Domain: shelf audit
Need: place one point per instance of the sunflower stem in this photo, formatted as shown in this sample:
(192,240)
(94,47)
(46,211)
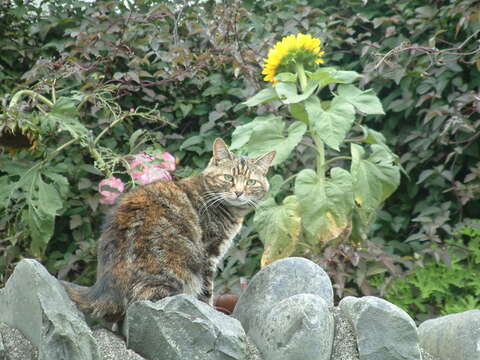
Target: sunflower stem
(321,154)
(16,98)
(301,76)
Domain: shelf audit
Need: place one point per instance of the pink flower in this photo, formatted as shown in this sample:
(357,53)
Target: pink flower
(106,185)
(145,169)
(151,174)
(168,161)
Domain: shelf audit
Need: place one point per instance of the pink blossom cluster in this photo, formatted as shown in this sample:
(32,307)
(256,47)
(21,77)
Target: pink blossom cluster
(144,169)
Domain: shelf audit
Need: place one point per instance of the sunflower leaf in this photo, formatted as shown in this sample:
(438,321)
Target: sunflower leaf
(288,93)
(242,134)
(329,75)
(376,177)
(333,124)
(286,77)
(364,100)
(329,215)
(279,228)
(268,136)
(262,96)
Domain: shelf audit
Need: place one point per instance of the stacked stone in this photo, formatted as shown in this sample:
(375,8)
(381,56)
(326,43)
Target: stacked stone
(286,313)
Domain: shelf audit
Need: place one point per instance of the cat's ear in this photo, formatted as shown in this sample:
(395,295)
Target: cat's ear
(265,161)
(220,150)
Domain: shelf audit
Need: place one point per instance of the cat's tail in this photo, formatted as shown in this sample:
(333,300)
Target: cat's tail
(95,302)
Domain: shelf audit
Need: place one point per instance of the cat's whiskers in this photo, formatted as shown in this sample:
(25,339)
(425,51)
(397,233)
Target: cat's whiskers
(212,199)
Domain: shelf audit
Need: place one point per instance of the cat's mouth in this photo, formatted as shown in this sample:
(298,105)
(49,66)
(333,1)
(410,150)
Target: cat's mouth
(238,201)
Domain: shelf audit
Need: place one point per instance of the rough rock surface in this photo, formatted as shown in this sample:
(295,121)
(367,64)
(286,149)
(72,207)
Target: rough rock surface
(344,342)
(454,336)
(278,281)
(383,330)
(35,303)
(299,327)
(182,327)
(252,351)
(14,346)
(112,347)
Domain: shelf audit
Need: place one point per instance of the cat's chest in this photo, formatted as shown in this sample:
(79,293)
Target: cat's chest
(219,239)
(227,243)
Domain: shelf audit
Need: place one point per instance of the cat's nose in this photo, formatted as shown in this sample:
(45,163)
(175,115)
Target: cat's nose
(238,193)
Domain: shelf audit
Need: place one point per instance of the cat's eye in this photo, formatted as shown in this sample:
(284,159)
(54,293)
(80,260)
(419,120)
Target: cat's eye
(251,182)
(228,177)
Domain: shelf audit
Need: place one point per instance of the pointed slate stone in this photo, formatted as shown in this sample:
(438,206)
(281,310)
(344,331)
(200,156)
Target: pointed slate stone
(35,303)
(454,336)
(181,327)
(383,330)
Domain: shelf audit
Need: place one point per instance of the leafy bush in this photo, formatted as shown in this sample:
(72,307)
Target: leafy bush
(447,286)
(193,64)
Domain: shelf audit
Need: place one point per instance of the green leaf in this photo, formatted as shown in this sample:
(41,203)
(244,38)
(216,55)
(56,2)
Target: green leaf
(241,135)
(279,228)
(265,95)
(268,136)
(288,94)
(41,228)
(298,112)
(372,136)
(49,200)
(333,124)
(329,75)
(364,100)
(326,204)
(65,114)
(324,76)
(286,77)
(346,77)
(43,203)
(375,177)
(193,140)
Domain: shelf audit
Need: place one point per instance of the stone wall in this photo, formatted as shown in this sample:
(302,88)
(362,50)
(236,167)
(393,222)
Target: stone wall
(286,313)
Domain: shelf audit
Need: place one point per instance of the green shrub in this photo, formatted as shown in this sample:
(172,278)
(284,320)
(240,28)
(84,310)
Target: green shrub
(448,284)
(194,64)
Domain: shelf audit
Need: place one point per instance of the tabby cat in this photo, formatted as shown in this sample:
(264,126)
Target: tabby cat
(167,237)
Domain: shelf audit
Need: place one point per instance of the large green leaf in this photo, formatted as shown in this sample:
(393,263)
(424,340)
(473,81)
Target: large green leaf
(43,203)
(326,204)
(329,75)
(333,124)
(267,136)
(298,112)
(242,134)
(279,228)
(364,100)
(288,94)
(64,112)
(262,96)
(375,177)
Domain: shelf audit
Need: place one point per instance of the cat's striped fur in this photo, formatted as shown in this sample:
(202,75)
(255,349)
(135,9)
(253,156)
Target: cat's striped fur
(167,237)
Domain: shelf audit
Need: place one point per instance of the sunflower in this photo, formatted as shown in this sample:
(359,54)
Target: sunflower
(17,135)
(291,51)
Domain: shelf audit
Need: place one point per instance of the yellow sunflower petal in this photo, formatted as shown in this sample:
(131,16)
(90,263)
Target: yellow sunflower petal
(283,48)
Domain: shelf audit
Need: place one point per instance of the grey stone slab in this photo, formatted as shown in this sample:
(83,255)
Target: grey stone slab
(35,303)
(299,327)
(181,327)
(454,336)
(279,281)
(383,330)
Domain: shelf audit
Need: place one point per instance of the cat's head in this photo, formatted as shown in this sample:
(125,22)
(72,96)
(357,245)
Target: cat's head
(235,179)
